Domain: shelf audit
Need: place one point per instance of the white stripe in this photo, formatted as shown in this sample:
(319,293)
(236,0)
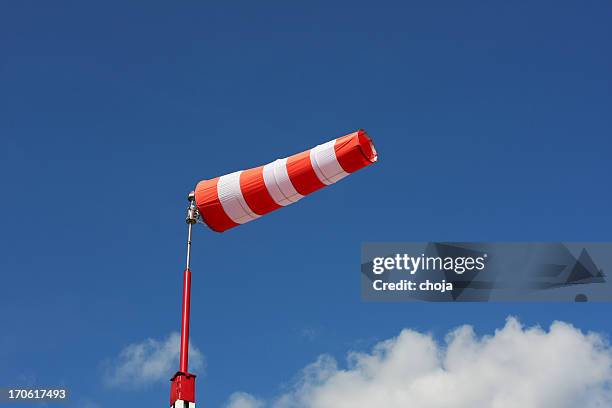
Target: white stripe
(270,181)
(232,200)
(278,183)
(315,166)
(325,163)
(183,404)
(284,182)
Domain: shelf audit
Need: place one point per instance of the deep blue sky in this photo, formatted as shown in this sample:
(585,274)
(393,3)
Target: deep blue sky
(493,121)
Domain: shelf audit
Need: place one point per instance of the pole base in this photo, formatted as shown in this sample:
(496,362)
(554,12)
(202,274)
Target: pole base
(183,404)
(182,390)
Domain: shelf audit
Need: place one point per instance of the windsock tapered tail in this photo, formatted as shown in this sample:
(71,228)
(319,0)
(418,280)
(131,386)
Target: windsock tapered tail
(237,198)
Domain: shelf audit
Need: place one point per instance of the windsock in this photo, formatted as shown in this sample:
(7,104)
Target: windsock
(237,198)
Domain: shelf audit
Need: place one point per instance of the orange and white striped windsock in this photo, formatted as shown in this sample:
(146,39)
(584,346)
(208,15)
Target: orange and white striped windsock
(237,198)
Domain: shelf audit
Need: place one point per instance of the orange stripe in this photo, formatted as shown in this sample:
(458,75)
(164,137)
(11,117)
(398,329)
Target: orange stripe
(301,173)
(209,206)
(255,192)
(354,151)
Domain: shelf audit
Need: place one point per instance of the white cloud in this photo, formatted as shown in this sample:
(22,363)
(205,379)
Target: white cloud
(87,403)
(147,362)
(243,400)
(516,367)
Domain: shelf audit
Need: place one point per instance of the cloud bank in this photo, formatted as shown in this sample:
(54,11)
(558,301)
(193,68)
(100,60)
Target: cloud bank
(244,400)
(516,367)
(148,362)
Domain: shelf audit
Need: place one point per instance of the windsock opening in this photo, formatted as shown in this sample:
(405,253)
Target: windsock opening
(355,151)
(237,198)
(367,146)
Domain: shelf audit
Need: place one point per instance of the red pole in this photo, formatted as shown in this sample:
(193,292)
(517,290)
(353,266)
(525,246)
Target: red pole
(182,390)
(185,321)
